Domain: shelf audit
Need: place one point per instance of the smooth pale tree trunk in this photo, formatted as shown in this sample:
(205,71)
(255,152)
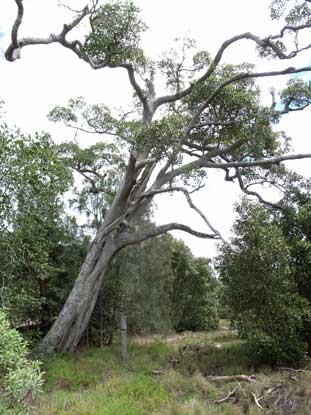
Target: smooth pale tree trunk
(72,321)
(68,328)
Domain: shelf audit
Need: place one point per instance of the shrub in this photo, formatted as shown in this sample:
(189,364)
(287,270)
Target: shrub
(260,289)
(19,376)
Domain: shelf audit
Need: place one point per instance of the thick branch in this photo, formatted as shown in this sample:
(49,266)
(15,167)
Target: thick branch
(142,163)
(17,23)
(239,77)
(145,234)
(75,46)
(204,162)
(264,43)
(16,43)
(136,86)
(154,192)
(239,378)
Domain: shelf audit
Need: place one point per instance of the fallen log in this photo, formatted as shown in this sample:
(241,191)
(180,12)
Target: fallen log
(232,378)
(290,369)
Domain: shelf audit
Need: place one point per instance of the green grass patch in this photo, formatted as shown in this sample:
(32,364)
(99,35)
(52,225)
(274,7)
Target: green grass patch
(166,378)
(213,359)
(127,394)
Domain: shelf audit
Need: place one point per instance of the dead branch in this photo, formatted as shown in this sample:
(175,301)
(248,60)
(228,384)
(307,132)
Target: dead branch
(159,372)
(294,370)
(227,397)
(256,400)
(238,378)
(270,390)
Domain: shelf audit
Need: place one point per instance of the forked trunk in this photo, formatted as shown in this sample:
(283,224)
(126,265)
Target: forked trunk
(72,321)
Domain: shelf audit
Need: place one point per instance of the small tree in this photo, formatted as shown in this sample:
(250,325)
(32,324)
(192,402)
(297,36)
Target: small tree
(261,290)
(193,291)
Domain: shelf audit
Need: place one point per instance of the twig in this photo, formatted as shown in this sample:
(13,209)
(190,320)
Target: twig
(227,397)
(256,400)
(270,390)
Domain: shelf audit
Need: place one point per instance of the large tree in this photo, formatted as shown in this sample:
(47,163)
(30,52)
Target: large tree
(210,118)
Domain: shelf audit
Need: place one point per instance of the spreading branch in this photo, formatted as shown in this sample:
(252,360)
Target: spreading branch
(131,239)
(152,193)
(263,43)
(204,161)
(18,44)
(240,77)
(13,51)
(253,193)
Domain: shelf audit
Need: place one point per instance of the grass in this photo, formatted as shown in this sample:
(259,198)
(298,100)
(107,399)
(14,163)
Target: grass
(167,376)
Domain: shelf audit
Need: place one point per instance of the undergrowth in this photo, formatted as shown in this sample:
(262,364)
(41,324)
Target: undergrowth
(168,376)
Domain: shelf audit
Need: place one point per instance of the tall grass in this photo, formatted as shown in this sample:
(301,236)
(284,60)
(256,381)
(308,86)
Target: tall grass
(164,377)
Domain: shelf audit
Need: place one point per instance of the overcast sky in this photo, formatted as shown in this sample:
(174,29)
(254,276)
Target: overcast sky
(49,75)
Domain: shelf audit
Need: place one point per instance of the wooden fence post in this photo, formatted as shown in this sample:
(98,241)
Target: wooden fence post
(124,338)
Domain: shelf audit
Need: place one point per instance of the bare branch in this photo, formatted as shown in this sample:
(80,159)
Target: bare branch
(17,23)
(135,85)
(256,400)
(239,77)
(231,378)
(264,43)
(154,192)
(145,234)
(253,193)
(204,161)
(75,46)
(289,28)
(16,43)
(228,396)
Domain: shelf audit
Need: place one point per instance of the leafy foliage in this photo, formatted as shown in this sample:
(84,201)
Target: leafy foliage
(261,290)
(41,249)
(193,291)
(19,376)
(115,34)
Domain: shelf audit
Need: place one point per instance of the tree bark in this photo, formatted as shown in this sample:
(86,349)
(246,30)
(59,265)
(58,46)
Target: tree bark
(72,321)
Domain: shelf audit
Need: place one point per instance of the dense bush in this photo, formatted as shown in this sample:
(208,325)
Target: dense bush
(193,292)
(261,290)
(19,376)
